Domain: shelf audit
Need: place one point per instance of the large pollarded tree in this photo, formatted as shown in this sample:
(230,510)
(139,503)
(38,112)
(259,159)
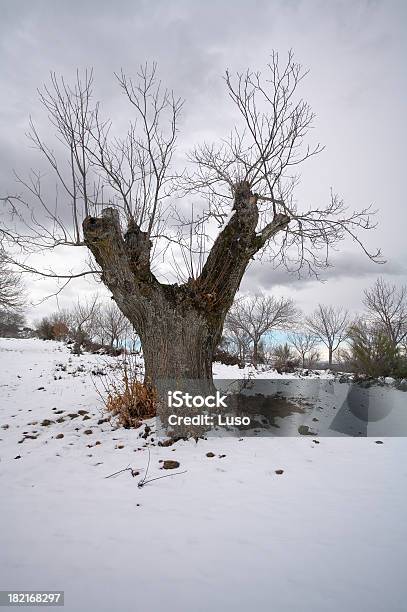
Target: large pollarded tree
(124,199)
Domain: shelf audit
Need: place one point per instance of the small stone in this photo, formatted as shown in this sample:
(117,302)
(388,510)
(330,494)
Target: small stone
(304,430)
(279,472)
(87,432)
(46,422)
(119,446)
(379,442)
(86,418)
(59,436)
(316,441)
(168,464)
(222,456)
(210,455)
(83,412)
(18,457)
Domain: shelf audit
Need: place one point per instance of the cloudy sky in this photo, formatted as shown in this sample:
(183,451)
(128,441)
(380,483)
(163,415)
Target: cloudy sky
(357,87)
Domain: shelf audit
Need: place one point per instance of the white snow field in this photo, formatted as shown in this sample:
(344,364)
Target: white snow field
(328,534)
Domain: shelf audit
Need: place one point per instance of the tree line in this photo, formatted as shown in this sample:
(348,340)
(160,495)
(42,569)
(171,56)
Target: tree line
(373,343)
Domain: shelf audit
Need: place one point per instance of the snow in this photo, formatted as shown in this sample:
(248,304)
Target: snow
(329,534)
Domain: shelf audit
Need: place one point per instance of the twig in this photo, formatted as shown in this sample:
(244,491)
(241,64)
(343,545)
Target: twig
(127,469)
(144,481)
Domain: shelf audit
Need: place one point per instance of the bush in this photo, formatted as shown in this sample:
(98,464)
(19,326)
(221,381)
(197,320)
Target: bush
(285,359)
(45,329)
(226,358)
(372,353)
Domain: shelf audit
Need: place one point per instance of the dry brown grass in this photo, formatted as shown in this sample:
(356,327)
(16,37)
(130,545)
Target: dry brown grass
(126,397)
(131,404)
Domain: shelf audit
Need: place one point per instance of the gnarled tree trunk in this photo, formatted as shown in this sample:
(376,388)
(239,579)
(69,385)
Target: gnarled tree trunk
(179,325)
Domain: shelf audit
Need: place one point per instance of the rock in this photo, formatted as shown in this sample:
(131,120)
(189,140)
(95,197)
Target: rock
(97,442)
(315,419)
(402,385)
(119,446)
(73,415)
(316,441)
(86,418)
(59,436)
(146,433)
(169,464)
(279,472)
(5,426)
(210,454)
(222,456)
(46,422)
(304,430)
(101,421)
(83,412)
(41,389)
(379,441)
(18,457)
(87,432)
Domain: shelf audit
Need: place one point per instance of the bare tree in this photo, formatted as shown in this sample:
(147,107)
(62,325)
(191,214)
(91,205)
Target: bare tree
(11,322)
(119,193)
(330,325)
(387,305)
(84,320)
(237,338)
(257,315)
(305,344)
(11,286)
(113,325)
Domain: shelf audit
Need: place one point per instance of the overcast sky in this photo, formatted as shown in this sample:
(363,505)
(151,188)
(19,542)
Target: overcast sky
(356,86)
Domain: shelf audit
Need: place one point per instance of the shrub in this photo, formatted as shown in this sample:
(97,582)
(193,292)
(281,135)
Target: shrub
(285,359)
(126,397)
(372,353)
(226,358)
(45,329)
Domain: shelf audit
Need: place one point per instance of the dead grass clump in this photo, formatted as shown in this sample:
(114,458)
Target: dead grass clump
(132,402)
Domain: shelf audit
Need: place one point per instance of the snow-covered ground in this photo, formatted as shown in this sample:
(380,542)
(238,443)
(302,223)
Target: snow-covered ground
(328,534)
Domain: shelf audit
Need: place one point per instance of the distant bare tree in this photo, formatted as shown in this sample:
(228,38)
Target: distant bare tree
(238,339)
(387,305)
(11,286)
(305,344)
(11,322)
(330,325)
(257,315)
(84,320)
(113,325)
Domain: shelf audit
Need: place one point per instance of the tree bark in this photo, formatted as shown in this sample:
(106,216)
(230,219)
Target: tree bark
(255,353)
(179,325)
